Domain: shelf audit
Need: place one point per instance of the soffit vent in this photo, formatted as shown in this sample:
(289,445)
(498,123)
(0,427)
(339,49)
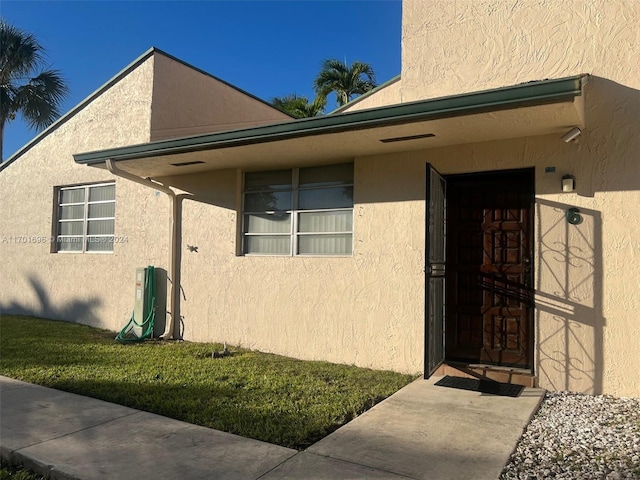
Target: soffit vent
(402,139)
(184,164)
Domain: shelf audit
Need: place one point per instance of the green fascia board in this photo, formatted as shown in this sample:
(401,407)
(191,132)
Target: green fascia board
(522,95)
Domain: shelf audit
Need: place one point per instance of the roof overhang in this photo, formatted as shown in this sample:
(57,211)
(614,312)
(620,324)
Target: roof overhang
(534,108)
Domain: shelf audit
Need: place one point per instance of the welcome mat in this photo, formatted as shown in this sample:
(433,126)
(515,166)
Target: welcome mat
(483,386)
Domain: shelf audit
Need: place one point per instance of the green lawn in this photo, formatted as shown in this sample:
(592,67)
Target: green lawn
(13,472)
(272,398)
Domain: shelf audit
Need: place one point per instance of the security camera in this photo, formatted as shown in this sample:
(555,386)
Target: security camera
(571,135)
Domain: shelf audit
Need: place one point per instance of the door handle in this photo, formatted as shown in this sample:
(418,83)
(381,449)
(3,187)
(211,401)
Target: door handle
(437,269)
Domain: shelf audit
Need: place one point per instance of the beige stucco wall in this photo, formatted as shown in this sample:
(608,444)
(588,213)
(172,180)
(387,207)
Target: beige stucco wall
(189,102)
(587,276)
(451,47)
(150,100)
(389,94)
(368,309)
(95,289)
(365,310)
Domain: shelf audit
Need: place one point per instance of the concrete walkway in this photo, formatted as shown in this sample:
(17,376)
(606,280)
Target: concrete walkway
(421,432)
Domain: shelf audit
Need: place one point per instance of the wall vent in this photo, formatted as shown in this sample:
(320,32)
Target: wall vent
(402,139)
(184,164)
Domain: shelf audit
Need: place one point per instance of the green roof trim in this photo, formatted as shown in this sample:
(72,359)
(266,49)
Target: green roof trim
(522,95)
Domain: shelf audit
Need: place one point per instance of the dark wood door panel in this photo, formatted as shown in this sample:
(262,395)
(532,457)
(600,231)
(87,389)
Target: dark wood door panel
(489,244)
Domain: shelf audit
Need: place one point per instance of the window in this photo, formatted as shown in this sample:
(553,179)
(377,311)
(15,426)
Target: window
(86,218)
(303,211)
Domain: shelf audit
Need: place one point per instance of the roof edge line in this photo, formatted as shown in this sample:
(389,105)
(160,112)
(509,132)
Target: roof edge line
(81,105)
(564,90)
(224,82)
(366,95)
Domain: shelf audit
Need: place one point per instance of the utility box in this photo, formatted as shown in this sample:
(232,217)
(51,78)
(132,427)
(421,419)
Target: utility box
(149,306)
(140,307)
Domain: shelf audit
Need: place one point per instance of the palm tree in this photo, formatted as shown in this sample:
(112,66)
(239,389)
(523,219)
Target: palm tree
(300,107)
(37,98)
(346,81)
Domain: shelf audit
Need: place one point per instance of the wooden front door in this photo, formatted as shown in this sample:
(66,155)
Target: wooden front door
(489,314)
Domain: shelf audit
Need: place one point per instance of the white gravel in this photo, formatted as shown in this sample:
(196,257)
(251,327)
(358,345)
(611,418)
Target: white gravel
(578,436)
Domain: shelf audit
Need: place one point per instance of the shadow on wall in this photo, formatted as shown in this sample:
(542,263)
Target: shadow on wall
(213,188)
(77,310)
(611,141)
(569,317)
(82,310)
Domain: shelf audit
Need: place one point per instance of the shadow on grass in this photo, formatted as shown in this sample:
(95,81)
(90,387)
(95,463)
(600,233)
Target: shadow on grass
(262,396)
(218,407)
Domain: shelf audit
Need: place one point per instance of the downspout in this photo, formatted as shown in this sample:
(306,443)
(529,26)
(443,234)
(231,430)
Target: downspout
(173,262)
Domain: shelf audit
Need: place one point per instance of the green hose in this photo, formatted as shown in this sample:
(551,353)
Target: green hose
(127,334)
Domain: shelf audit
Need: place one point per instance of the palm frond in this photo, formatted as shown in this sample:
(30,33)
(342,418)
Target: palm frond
(41,98)
(344,80)
(299,106)
(20,53)
(38,98)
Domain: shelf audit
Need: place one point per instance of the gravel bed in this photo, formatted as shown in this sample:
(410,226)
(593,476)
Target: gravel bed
(578,436)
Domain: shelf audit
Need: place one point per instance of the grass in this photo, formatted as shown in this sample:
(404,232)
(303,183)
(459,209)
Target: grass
(15,472)
(276,399)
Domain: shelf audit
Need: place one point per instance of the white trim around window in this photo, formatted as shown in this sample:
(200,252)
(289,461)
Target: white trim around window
(85,218)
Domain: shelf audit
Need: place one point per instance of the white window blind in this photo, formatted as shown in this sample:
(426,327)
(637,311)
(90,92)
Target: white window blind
(86,218)
(301,211)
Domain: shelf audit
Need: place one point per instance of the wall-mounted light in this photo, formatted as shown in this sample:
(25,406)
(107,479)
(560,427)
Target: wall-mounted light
(568,183)
(571,135)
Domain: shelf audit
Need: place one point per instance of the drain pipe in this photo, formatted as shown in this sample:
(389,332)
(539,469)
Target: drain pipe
(173,262)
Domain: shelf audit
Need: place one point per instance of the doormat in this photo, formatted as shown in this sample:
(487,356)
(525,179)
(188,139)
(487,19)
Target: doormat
(483,386)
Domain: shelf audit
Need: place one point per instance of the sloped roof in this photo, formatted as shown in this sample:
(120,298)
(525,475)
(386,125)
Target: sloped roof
(112,81)
(532,108)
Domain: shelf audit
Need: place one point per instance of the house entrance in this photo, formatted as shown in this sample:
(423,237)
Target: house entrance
(487,300)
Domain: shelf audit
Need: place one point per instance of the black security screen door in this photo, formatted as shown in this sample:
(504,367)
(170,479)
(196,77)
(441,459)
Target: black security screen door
(435,271)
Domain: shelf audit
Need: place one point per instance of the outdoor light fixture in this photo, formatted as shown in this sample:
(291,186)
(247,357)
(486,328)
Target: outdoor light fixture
(568,183)
(571,135)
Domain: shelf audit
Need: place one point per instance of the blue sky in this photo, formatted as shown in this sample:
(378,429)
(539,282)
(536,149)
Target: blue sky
(266,47)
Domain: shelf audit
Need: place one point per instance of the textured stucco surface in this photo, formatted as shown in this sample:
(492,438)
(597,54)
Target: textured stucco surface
(187,102)
(586,275)
(95,289)
(457,46)
(368,309)
(387,95)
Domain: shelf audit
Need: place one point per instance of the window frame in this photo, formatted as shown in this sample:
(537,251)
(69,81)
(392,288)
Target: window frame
(86,203)
(294,212)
